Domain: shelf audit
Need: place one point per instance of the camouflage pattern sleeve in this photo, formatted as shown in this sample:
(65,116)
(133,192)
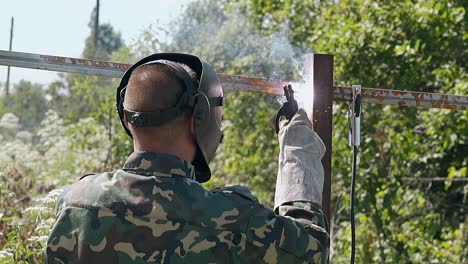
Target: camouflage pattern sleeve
(297,235)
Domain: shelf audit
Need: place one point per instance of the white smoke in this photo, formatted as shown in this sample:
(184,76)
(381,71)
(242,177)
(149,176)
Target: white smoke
(229,40)
(282,50)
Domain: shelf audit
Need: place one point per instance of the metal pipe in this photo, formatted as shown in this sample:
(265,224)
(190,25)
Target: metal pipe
(236,83)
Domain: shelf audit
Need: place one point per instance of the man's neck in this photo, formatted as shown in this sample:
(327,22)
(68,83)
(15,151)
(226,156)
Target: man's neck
(183,152)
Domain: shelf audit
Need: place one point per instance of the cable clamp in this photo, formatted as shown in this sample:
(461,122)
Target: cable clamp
(354,117)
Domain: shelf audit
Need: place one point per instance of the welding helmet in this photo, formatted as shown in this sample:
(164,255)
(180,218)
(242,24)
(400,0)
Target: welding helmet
(203,99)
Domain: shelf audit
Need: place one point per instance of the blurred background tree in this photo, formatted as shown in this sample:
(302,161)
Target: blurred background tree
(407,45)
(26,100)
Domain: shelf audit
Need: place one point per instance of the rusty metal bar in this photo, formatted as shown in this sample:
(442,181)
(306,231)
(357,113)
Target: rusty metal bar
(255,85)
(62,64)
(237,83)
(404,98)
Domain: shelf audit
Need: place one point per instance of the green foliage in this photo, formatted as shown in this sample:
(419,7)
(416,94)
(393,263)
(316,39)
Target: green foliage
(107,41)
(42,150)
(77,96)
(25,224)
(29,100)
(59,156)
(401,40)
(409,45)
(253,162)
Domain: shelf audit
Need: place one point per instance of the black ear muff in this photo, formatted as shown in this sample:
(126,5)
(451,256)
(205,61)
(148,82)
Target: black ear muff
(201,113)
(203,108)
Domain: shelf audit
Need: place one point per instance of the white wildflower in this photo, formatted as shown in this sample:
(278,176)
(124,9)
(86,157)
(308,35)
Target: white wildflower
(35,210)
(24,135)
(55,193)
(5,255)
(39,239)
(10,121)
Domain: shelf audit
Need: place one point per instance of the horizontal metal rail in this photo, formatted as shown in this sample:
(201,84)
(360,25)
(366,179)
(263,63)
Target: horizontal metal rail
(236,83)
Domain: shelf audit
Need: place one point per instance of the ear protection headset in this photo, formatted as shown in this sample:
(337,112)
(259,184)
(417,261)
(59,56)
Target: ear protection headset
(197,99)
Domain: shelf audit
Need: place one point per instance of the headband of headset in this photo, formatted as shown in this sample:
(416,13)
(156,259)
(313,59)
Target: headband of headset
(155,118)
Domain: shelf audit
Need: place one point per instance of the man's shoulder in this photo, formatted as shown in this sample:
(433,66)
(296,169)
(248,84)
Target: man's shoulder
(233,191)
(91,190)
(238,200)
(102,180)
(89,182)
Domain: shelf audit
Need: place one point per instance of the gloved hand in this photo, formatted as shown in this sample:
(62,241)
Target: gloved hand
(300,172)
(288,109)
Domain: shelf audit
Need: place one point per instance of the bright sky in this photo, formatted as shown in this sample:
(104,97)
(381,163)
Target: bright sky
(60,27)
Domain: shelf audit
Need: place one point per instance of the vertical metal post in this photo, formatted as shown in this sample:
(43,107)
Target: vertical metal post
(7,87)
(96,29)
(319,68)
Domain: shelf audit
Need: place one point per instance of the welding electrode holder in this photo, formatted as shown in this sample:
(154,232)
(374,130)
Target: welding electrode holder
(288,109)
(354,117)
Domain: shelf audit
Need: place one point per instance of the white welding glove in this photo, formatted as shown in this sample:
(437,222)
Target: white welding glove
(300,172)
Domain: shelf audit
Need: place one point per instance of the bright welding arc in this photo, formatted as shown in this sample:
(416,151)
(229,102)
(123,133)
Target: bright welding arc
(305,94)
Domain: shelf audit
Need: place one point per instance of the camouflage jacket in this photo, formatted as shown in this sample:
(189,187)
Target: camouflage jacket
(153,211)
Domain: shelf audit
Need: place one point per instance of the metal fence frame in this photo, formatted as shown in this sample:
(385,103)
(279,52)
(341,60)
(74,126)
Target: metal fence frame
(318,66)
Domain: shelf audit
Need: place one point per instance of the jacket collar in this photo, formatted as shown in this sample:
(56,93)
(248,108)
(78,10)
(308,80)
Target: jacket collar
(158,164)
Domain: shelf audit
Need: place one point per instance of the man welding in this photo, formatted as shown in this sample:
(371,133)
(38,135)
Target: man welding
(155,210)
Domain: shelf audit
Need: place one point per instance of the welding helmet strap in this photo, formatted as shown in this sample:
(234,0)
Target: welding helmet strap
(159,117)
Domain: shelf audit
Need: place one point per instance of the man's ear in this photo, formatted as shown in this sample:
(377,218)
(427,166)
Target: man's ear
(125,122)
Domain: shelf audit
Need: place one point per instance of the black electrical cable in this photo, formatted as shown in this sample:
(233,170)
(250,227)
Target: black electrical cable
(353,224)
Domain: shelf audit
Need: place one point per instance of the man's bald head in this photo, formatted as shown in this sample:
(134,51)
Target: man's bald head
(154,87)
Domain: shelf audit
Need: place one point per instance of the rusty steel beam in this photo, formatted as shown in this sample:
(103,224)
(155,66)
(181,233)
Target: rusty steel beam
(236,83)
(62,64)
(404,98)
(255,85)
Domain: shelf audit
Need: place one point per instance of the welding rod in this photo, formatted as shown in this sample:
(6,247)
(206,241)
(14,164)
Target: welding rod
(236,83)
